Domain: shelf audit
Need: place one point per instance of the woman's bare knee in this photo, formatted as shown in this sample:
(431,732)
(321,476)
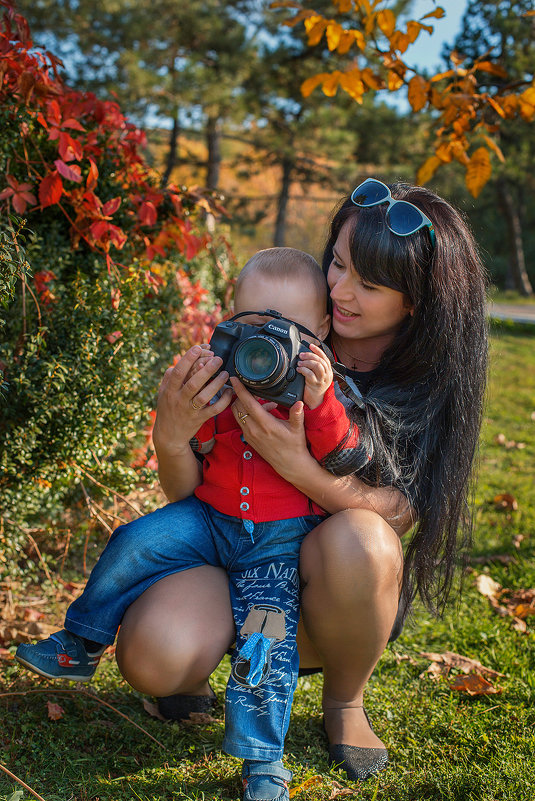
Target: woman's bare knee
(175,634)
(355,545)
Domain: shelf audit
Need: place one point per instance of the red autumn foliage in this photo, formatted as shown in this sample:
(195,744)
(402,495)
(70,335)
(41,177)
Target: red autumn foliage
(68,134)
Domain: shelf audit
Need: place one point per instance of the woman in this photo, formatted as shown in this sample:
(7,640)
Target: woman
(408,322)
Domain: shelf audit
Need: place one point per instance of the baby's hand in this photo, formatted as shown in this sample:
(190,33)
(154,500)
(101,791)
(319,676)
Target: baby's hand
(317,371)
(203,359)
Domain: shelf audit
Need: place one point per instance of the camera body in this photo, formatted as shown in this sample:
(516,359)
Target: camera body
(264,358)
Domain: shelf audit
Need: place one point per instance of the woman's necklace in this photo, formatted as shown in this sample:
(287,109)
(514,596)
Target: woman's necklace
(355,360)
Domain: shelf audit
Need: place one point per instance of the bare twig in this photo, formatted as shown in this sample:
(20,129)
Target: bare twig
(91,506)
(16,778)
(89,695)
(40,557)
(112,492)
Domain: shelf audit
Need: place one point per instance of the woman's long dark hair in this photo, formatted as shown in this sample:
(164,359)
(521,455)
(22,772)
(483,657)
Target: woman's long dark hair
(424,403)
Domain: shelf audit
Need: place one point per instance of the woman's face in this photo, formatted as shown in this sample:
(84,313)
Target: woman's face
(360,310)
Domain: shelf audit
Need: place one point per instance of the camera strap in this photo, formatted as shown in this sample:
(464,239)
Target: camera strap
(346,383)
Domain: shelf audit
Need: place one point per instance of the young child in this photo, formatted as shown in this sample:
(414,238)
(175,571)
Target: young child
(244,518)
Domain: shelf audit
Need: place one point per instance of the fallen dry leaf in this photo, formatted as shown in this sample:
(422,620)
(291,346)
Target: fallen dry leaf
(487,586)
(517,604)
(152,709)
(55,711)
(338,790)
(474,684)
(506,502)
(314,781)
(449,659)
(501,439)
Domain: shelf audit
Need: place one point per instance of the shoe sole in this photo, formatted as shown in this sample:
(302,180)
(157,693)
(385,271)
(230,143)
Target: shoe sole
(51,675)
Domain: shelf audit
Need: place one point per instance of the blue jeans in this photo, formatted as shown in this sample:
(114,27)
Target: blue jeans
(261,561)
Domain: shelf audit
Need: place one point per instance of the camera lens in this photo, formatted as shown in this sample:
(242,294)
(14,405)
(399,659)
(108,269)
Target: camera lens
(260,360)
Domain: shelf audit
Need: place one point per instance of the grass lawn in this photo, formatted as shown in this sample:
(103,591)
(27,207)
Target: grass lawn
(443,743)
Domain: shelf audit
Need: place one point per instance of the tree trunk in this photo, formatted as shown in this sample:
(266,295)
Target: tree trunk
(282,203)
(173,150)
(213,144)
(517,277)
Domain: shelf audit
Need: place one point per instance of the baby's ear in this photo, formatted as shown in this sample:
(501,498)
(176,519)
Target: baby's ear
(324,328)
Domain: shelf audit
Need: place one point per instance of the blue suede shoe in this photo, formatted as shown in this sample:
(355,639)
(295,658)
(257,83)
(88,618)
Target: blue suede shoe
(60,656)
(265,781)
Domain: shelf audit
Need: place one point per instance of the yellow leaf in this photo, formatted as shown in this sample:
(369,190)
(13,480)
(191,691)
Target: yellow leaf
(418,92)
(315,27)
(369,23)
(330,84)
(493,146)
(489,66)
(304,14)
(438,13)
(443,152)
(343,6)
(360,39)
(459,147)
(526,102)
(333,33)
(371,79)
(386,20)
(351,83)
(440,75)
(496,106)
(478,171)
(509,105)
(308,86)
(314,781)
(427,170)
(399,41)
(346,41)
(394,81)
(414,28)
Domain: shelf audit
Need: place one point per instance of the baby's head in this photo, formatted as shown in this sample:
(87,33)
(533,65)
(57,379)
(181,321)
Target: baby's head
(288,281)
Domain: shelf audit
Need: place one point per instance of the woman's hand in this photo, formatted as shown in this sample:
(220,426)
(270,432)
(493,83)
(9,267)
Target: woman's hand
(184,399)
(282,443)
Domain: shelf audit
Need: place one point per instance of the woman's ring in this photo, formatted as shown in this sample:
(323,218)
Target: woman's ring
(242,416)
(194,405)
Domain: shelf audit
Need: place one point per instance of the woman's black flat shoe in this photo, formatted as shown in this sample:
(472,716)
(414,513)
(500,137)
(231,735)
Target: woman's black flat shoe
(359,763)
(179,707)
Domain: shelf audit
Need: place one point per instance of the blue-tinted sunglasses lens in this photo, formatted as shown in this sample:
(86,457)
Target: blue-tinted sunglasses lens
(369,193)
(404,218)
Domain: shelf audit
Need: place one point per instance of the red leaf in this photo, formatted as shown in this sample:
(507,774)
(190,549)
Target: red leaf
(54,113)
(69,149)
(147,213)
(92,175)
(55,711)
(70,173)
(99,229)
(109,208)
(72,123)
(113,337)
(50,189)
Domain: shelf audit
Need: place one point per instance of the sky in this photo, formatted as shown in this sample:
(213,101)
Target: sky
(425,52)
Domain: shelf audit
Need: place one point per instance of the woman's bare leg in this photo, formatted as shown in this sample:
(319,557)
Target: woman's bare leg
(351,568)
(176,633)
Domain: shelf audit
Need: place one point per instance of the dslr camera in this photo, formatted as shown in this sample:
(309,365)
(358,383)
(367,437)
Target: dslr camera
(265,357)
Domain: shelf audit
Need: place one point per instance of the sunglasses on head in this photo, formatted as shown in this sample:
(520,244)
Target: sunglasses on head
(402,218)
